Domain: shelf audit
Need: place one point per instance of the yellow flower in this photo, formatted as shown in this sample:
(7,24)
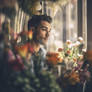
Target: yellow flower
(30,34)
(80,39)
(60,58)
(68,42)
(22,50)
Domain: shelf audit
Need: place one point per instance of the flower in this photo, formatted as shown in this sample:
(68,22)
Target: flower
(80,39)
(68,52)
(73,59)
(22,50)
(53,58)
(30,34)
(60,49)
(84,50)
(68,42)
(77,43)
(80,56)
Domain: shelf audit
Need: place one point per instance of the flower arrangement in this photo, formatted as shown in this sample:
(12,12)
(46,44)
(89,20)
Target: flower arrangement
(71,59)
(72,53)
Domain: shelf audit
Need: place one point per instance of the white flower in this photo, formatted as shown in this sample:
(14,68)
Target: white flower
(75,65)
(70,46)
(80,56)
(84,50)
(68,42)
(80,39)
(77,43)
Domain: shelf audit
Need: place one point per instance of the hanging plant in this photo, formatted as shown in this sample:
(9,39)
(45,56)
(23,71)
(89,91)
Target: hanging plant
(29,6)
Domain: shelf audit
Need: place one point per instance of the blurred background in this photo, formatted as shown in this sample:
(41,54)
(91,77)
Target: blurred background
(71,19)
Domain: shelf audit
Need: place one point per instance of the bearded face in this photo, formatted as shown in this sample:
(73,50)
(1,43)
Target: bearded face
(43,32)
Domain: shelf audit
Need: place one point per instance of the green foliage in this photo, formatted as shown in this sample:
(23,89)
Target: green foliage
(27,81)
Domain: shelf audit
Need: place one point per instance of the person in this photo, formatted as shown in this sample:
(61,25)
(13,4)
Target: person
(40,27)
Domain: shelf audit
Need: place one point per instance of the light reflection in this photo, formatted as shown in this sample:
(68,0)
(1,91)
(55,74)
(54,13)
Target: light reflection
(64,25)
(71,26)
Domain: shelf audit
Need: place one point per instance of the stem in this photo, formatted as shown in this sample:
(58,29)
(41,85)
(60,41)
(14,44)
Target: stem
(84,86)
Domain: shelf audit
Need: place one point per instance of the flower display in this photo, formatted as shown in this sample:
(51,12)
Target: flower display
(16,66)
(72,53)
(73,59)
(53,58)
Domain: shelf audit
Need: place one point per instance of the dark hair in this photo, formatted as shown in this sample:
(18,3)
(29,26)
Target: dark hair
(36,19)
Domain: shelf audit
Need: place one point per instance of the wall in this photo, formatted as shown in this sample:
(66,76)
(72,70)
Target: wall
(89,24)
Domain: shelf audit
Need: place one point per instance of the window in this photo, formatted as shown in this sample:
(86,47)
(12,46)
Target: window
(69,22)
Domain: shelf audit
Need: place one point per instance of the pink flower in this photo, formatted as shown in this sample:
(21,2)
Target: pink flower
(15,62)
(11,56)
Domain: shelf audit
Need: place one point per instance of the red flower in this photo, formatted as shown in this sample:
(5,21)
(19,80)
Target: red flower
(60,49)
(75,60)
(68,52)
(31,49)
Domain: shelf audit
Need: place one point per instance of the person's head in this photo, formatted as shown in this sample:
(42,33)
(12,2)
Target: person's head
(41,26)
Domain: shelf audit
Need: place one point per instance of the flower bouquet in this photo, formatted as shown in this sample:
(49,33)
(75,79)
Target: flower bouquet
(69,61)
(73,59)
